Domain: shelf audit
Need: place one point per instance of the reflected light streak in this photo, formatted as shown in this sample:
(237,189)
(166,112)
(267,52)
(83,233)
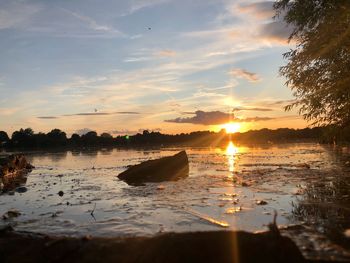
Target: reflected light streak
(231,151)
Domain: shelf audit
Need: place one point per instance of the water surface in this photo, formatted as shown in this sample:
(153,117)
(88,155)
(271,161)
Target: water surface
(236,187)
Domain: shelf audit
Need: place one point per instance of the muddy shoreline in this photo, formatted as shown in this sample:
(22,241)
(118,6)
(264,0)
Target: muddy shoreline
(213,246)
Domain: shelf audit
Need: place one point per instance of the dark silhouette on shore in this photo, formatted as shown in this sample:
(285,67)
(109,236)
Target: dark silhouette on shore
(26,138)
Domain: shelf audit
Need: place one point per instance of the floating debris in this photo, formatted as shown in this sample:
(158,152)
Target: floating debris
(233,210)
(207,218)
(11,214)
(261,202)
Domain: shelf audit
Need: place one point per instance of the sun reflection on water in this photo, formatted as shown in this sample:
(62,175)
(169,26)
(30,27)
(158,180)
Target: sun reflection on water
(231,151)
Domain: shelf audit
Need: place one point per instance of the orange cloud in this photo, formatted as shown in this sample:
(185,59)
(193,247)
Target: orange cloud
(167,53)
(242,73)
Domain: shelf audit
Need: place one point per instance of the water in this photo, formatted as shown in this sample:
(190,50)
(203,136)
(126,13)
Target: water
(306,184)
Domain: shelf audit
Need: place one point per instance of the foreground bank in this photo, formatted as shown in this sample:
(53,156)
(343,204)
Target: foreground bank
(215,246)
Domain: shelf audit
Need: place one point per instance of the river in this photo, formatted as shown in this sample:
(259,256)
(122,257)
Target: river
(235,187)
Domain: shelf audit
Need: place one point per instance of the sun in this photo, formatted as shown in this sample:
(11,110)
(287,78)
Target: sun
(232,127)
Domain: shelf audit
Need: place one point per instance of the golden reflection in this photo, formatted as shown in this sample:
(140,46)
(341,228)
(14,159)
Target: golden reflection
(231,151)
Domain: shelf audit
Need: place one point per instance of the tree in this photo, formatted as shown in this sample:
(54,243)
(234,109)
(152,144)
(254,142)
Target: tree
(106,135)
(57,137)
(23,136)
(3,137)
(89,138)
(318,68)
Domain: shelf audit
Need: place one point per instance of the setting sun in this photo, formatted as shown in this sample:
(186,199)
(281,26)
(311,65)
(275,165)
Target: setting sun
(232,127)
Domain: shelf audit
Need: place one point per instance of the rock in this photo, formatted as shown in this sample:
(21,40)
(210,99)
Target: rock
(13,171)
(60,193)
(21,189)
(261,202)
(13,164)
(169,168)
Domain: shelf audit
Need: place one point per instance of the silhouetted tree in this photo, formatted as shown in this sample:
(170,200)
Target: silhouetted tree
(106,139)
(75,136)
(23,137)
(318,69)
(106,135)
(57,137)
(4,137)
(89,138)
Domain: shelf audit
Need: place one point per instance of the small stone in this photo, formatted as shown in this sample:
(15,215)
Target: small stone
(261,202)
(60,193)
(160,187)
(21,189)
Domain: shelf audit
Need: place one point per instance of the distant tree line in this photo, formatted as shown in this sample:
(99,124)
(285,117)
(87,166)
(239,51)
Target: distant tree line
(26,138)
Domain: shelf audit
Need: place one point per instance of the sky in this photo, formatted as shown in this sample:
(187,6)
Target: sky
(123,66)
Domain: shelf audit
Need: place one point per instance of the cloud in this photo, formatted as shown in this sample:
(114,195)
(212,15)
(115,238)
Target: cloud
(255,119)
(166,53)
(260,9)
(141,4)
(137,59)
(100,113)
(93,25)
(251,109)
(129,132)
(205,118)
(275,103)
(9,111)
(277,31)
(91,114)
(242,73)
(15,13)
(122,132)
(47,117)
(214,118)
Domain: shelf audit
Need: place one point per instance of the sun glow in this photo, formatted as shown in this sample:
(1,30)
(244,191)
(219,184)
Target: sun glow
(232,127)
(231,152)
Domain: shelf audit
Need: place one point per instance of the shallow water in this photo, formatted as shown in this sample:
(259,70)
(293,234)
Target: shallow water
(307,184)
